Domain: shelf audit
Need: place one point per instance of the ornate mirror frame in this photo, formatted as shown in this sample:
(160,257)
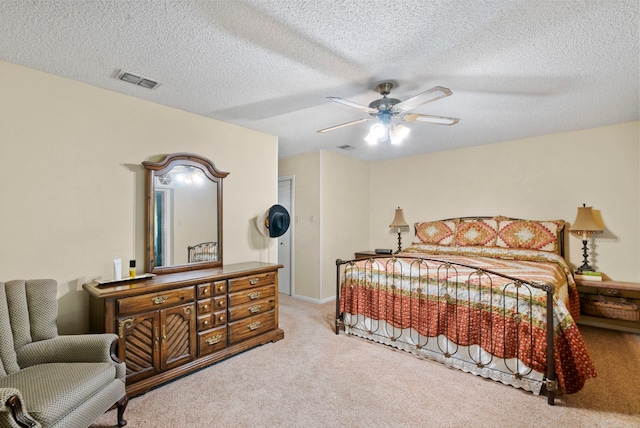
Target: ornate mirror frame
(160,169)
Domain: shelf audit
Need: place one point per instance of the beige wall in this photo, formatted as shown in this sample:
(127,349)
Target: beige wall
(331,202)
(542,178)
(538,178)
(305,170)
(344,219)
(72,192)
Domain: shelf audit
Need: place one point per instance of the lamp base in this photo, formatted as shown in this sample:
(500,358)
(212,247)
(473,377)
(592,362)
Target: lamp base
(585,262)
(399,244)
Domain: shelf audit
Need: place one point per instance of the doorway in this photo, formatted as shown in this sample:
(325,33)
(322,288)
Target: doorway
(285,247)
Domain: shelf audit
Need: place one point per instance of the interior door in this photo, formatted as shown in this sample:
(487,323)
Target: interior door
(285,198)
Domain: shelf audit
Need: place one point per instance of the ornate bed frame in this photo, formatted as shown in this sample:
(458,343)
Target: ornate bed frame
(396,301)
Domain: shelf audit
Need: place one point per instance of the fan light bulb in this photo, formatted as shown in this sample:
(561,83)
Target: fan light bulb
(398,133)
(377,130)
(371,139)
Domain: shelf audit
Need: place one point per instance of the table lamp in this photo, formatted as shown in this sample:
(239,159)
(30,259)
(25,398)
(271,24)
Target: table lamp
(584,226)
(399,223)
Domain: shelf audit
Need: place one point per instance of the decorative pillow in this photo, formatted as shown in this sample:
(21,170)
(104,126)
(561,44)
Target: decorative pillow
(530,234)
(476,232)
(436,232)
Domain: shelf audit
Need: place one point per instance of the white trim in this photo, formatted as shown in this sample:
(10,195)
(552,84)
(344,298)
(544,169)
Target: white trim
(312,300)
(292,216)
(320,223)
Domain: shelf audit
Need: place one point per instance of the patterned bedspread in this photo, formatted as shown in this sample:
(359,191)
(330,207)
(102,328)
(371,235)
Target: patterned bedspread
(473,307)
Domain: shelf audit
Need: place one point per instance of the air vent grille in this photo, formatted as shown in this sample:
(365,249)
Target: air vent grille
(137,80)
(346,147)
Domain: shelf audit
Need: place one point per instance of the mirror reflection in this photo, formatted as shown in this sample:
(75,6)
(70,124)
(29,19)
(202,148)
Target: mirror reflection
(186,217)
(184,203)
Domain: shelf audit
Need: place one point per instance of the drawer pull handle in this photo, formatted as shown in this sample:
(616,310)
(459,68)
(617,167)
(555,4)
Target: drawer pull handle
(254,295)
(205,322)
(159,300)
(253,309)
(221,303)
(221,288)
(205,290)
(254,325)
(205,306)
(254,281)
(213,340)
(221,318)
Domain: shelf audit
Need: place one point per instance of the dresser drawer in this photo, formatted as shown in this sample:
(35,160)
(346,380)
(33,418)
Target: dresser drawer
(204,307)
(251,281)
(254,308)
(205,290)
(212,341)
(219,303)
(159,300)
(219,287)
(251,327)
(208,321)
(251,295)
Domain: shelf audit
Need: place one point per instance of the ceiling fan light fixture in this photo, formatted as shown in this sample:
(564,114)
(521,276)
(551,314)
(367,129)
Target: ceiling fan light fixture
(377,132)
(371,139)
(397,133)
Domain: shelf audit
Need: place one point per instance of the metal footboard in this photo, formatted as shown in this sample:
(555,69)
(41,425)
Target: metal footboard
(416,302)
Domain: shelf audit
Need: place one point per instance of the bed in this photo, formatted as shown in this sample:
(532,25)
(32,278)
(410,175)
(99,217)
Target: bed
(473,293)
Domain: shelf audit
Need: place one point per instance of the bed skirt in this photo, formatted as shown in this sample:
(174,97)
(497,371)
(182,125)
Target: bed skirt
(507,371)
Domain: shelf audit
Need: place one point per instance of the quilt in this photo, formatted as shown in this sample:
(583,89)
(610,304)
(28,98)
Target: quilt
(473,296)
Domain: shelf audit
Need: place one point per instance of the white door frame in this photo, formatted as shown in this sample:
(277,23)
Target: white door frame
(291,261)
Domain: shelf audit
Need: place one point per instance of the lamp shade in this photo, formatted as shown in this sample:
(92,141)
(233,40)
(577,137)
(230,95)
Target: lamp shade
(585,222)
(398,221)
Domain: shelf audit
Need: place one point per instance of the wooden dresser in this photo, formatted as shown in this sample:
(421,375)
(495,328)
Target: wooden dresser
(172,324)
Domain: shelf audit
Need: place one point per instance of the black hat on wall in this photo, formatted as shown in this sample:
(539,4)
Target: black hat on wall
(274,222)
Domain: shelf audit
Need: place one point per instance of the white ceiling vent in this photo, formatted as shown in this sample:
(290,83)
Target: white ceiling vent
(346,147)
(136,80)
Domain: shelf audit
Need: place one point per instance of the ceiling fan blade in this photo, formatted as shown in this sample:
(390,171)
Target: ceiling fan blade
(355,122)
(425,118)
(427,96)
(353,105)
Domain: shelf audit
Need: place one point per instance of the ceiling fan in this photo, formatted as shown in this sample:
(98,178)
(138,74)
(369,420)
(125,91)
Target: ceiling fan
(385,109)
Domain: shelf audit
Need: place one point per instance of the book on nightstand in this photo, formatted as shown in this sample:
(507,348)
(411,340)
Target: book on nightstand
(587,275)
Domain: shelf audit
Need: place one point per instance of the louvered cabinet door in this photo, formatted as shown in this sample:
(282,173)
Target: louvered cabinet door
(139,345)
(178,335)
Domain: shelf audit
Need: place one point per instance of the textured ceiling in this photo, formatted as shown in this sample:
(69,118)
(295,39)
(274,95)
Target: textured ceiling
(517,69)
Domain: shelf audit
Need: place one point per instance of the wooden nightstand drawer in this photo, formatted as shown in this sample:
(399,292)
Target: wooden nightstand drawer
(251,327)
(249,309)
(151,301)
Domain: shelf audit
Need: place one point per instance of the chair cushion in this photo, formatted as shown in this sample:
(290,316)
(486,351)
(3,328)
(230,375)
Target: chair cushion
(51,391)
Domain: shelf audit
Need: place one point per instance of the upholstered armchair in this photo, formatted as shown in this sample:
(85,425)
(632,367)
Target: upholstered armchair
(47,380)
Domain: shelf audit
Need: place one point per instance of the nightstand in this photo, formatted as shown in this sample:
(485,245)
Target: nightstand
(365,254)
(617,289)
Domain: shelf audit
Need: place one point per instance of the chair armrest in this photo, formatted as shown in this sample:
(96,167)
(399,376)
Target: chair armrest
(86,348)
(12,411)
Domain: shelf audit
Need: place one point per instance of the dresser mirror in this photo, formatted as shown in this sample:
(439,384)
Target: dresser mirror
(184,213)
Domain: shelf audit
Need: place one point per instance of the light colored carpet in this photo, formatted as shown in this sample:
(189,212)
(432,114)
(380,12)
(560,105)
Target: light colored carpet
(314,378)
